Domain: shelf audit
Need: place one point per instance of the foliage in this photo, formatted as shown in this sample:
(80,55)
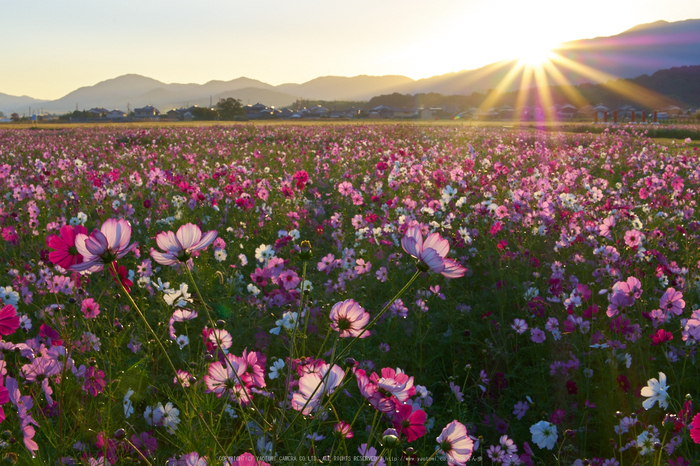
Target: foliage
(229,109)
(572,335)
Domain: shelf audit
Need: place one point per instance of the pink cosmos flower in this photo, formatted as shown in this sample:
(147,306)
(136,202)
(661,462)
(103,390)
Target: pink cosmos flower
(633,238)
(672,301)
(349,318)
(254,375)
(395,383)
(410,423)
(5,397)
(9,320)
(456,444)
(344,429)
(179,246)
(606,228)
(695,429)
(382,401)
(312,387)
(224,376)
(362,266)
(103,246)
(289,279)
(90,308)
(65,253)
(431,253)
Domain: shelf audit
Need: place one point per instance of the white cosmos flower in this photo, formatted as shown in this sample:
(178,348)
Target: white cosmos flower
(544,434)
(128,405)
(656,390)
(277,366)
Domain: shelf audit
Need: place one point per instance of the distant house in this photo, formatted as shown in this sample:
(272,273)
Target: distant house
(286,113)
(351,112)
(384,111)
(116,113)
(318,111)
(98,112)
(566,112)
(147,112)
(173,115)
(256,111)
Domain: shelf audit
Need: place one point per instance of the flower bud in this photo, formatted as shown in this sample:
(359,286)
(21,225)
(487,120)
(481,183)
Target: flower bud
(350,362)
(305,253)
(120,434)
(390,439)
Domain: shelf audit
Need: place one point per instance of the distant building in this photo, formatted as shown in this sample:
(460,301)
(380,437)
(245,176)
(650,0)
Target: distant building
(98,112)
(114,114)
(147,112)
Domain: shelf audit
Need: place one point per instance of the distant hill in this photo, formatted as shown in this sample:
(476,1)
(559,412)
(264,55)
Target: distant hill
(678,86)
(639,51)
(11,103)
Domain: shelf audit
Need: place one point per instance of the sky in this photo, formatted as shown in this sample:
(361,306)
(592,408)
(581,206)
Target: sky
(52,47)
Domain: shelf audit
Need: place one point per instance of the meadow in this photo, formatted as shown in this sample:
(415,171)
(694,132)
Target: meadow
(376,294)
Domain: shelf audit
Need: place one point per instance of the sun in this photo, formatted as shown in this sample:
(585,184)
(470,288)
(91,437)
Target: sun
(535,56)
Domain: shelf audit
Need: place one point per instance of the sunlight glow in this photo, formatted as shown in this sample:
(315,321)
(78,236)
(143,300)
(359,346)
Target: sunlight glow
(535,56)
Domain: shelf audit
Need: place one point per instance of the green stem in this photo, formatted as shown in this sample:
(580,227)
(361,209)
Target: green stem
(162,348)
(249,399)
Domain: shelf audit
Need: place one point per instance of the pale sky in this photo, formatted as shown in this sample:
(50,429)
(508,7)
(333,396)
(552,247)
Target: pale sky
(51,47)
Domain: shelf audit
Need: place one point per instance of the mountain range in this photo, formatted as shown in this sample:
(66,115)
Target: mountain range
(641,50)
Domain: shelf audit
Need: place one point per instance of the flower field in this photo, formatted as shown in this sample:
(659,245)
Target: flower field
(346,294)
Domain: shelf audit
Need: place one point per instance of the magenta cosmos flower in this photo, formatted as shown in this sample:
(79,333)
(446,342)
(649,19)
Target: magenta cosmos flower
(9,320)
(456,444)
(409,423)
(431,253)
(349,318)
(179,246)
(103,246)
(64,252)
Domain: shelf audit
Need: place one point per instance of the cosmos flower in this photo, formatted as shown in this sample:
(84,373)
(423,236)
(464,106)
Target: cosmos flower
(456,444)
(9,320)
(179,246)
(64,253)
(103,246)
(695,429)
(672,302)
(431,253)
(410,423)
(223,377)
(312,387)
(656,390)
(349,318)
(544,434)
